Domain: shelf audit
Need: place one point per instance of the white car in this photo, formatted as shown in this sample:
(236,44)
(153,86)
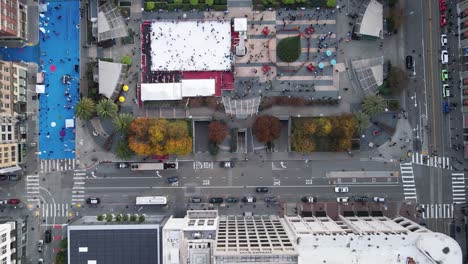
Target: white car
(3,201)
(445,90)
(443,40)
(341,189)
(444,57)
(379,199)
(342,199)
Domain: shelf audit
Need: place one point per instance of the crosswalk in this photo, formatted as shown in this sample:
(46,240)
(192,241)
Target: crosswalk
(54,210)
(431,161)
(52,165)
(458,187)
(407,178)
(32,188)
(436,211)
(78,189)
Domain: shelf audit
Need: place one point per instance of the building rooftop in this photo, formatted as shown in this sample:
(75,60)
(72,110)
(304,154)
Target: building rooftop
(113,244)
(372,20)
(110,76)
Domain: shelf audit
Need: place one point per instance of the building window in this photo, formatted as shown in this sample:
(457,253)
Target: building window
(4,260)
(3,137)
(7,96)
(9,136)
(9,128)
(7,105)
(4,249)
(13,148)
(6,69)
(3,128)
(5,149)
(4,236)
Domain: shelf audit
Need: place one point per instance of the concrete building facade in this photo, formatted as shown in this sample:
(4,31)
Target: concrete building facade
(13,20)
(13,241)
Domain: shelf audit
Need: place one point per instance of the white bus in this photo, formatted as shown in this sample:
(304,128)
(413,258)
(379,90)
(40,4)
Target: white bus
(154,166)
(151,200)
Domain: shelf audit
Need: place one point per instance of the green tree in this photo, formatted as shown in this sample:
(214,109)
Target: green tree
(109,217)
(64,243)
(100,217)
(362,121)
(217,131)
(133,218)
(106,109)
(85,109)
(324,126)
(331,3)
(127,60)
(125,218)
(289,49)
(122,122)
(288,2)
(141,218)
(61,257)
(209,2)
(150,6)
(118,218)
(123,151)
(194,2)
(373,105)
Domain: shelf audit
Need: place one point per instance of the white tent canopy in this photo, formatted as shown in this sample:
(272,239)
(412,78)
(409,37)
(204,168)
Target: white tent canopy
(176,91)
(69,123)
(40,88)
(240,24)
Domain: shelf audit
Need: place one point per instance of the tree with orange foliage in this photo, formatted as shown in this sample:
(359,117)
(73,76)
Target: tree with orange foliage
(267,128)
(217,131)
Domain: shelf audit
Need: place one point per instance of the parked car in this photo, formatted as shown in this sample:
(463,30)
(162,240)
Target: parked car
(93,201)
(443,40)
(445,90)
(446,107)
(465,101)
(3,177)
(216,200)
(379,199)
(2,202)
(249,199)
(48,236)
(442,5)
(444,75)
(261,189)
(40,244)
(172,180)
(14,201)
(40,261)
(195,200)
(14,177)
(341,189)
(123,165)
(443,20)
(308,199)
(170,165)
(409,62)
(226,164)
(361,199)
(342,199)
(231,200)
(270,199)
(444,57)
(465,91)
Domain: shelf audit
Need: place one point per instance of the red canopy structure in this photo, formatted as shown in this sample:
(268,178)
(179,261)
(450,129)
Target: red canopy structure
(266,68)
(311,67)
(310,30)
(266,31)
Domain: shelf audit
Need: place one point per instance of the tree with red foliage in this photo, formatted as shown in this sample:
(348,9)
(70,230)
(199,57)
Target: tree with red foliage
(217,131)
(267,128)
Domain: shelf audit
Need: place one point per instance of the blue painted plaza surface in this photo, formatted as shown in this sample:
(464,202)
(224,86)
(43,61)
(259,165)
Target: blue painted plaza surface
(59,53)
(27,54)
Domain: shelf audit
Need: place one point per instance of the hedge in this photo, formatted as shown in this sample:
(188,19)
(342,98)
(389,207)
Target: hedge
(289,49)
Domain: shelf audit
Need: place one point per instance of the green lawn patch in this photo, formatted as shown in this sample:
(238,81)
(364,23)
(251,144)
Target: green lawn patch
(289,49)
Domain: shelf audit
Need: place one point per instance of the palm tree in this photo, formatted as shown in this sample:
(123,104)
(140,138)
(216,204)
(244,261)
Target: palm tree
(141,219)
(123,151)
(106,108)
(373,104)
(125,218)
(362,121)
(85,109)
(109,217)
(122,122)
(100,217)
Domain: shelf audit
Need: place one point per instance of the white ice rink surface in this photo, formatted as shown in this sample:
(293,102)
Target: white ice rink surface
(191,46)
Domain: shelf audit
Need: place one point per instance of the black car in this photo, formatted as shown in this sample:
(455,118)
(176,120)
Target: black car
(216,200)
(261,189)
(409,62)
(270,199)
(232,200)
(14,177)
(172,180)
(361,198)
(249,199)
(3,177)
(48,236)
(195,200)
(169,165)
(308,199)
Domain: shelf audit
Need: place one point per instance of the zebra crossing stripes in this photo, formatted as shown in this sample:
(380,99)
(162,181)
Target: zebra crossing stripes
(54,210)
(431,161)
(32,188)
(436,211)
(52,165)
(458,187)
(78,188)
(407,178)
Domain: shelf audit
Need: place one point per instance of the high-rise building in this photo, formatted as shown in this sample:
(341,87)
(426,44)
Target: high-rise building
(13,84)
(12,240)
(13,20)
